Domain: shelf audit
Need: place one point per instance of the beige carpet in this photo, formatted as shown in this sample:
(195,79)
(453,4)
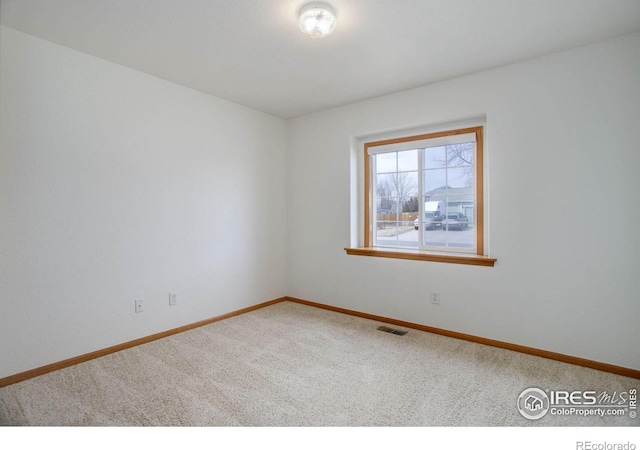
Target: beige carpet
(295,365)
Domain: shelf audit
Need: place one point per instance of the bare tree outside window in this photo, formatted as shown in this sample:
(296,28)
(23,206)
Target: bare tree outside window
(460,155)
(395,187)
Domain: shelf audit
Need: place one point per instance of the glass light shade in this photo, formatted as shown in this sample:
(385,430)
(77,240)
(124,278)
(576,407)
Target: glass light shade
(317,20)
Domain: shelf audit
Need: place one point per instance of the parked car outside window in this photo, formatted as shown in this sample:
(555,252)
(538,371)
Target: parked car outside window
(455,221)
(431,221)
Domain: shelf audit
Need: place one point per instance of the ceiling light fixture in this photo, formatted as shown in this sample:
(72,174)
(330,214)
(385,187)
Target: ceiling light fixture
(317,20)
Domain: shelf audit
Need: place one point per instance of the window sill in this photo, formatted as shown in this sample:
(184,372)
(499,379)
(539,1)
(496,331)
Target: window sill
(421,255)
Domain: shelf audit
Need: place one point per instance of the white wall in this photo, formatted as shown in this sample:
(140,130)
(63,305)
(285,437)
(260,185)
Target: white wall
(115,186)
(563,136)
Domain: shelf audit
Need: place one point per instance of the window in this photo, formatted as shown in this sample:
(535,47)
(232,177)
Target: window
(424,197)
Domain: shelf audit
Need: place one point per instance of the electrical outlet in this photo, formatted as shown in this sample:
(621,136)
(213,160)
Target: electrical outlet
(139,306)
(435,298)
(173,299)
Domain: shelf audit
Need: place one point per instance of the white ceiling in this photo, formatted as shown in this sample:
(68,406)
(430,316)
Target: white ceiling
(251,51)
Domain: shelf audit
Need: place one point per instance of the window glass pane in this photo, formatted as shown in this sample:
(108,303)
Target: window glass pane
(458,226)
(459,155)
(384,192)
(407,236)
(460,177)
(410,205)
(406,184)
(408,161)
(387,236)
(385,225)
(461,200)
(434,179)
(435,157)
(399,234)
(386,204)
(434,210)
(386,162)
(398,184)
(386,220)
(433,235)
(385,210)
(395,222)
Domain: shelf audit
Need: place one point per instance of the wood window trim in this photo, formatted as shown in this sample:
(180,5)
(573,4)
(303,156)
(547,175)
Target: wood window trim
(422,255)
(418,254)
